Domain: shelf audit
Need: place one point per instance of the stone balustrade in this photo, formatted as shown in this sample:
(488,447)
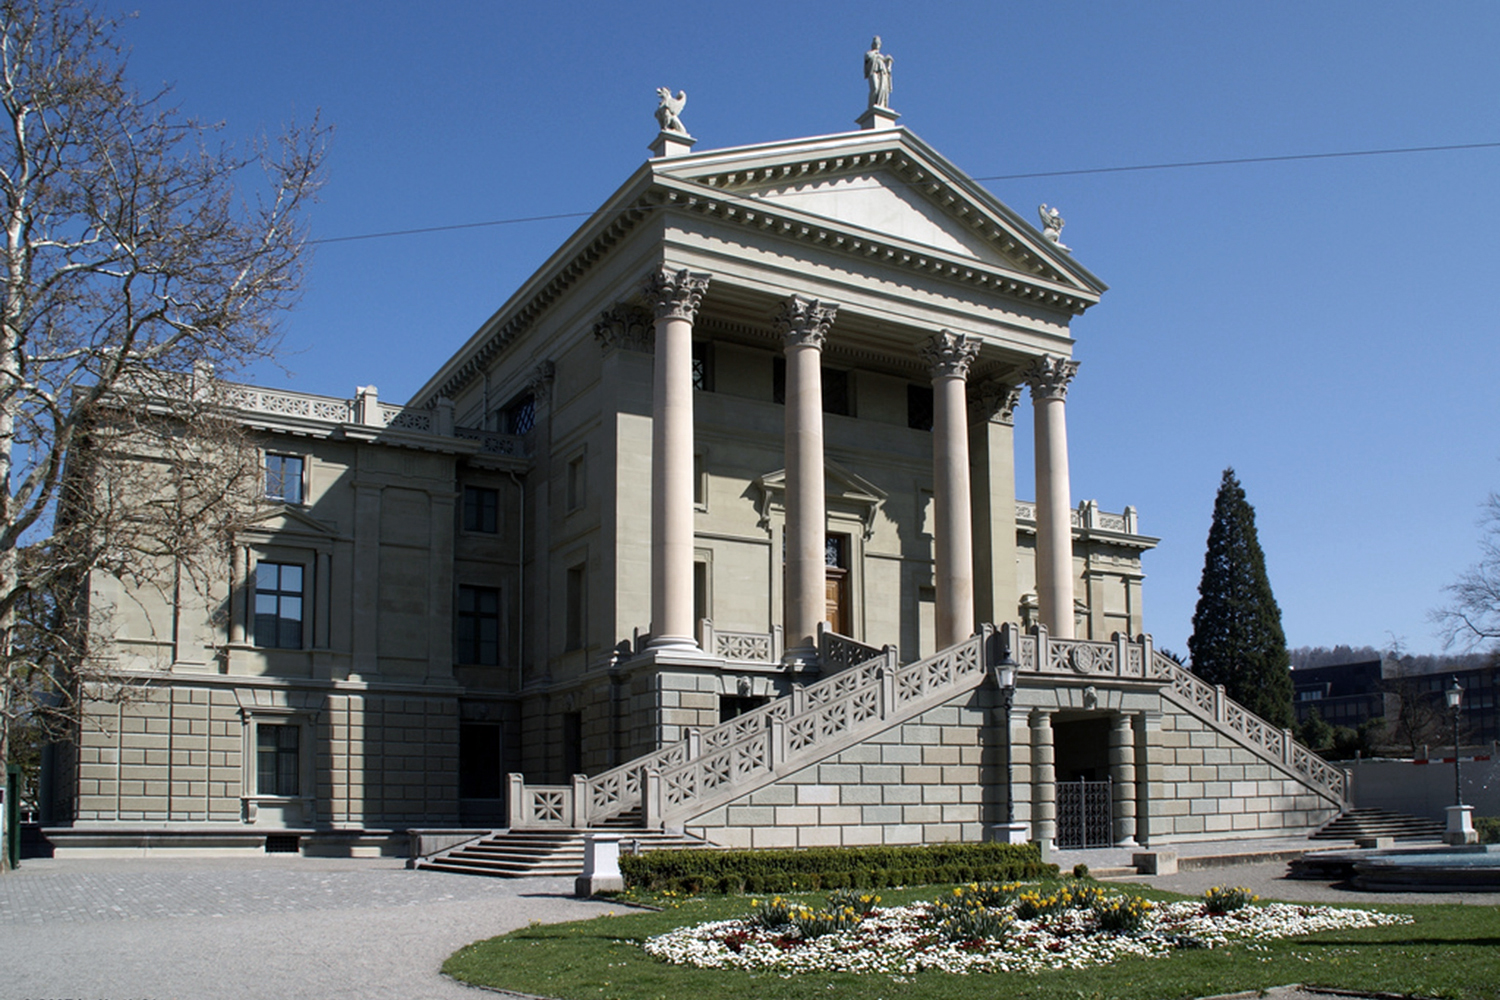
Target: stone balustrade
(741,647)
(1086,517)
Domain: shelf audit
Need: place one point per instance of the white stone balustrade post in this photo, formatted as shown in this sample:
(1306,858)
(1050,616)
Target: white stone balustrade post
(1043,780)
(803,324)
(651,798)
(949,355)
(675,297)
(1048,377)
(1286,747)
(519,820)
(580,803)
(1219,699)
(775,745)
(1122,771)
(694,744)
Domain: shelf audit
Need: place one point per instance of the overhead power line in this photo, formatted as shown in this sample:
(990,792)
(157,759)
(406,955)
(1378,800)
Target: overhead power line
(1184,164)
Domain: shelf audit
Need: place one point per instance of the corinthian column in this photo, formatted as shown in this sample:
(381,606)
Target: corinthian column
(804,325)
(949,355)
(1048,377)
(675,297)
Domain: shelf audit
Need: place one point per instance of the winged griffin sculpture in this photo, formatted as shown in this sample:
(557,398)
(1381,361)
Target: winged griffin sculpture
(1052,225)
(669,108)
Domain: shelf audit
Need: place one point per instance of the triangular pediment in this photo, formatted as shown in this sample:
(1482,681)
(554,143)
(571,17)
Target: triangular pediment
(287,522)
(840,486)
(891,186)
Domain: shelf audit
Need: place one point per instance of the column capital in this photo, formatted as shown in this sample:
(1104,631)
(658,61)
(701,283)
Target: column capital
(805,321)
(625,328)
(540,382)
(950,354)
(1049,376)
(676,294)
(994,400)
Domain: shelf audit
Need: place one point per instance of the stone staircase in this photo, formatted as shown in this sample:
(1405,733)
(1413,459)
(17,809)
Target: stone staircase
(527,853)
(1379,823)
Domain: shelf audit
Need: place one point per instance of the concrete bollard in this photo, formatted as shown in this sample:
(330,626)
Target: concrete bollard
(601,865)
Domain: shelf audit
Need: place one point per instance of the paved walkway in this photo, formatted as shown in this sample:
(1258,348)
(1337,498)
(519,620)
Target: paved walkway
(291,928)
(279,928)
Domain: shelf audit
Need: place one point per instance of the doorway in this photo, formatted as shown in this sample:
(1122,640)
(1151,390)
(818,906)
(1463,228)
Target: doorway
(836,586)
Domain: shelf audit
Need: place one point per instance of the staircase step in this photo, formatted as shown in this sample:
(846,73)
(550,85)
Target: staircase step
(524,853)
(1379,823)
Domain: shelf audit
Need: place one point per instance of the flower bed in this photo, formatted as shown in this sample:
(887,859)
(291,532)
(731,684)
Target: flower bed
(1062,931)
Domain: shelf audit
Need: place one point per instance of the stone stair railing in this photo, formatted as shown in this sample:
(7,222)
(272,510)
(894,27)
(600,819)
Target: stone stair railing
(754,748)
(1270,742)
(840,652)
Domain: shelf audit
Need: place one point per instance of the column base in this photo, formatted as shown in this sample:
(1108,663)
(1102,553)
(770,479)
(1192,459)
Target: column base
(801,658)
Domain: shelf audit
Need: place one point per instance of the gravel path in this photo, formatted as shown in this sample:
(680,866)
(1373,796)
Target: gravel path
(275,928)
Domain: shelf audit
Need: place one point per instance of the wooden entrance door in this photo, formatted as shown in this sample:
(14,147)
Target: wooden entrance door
(836,587)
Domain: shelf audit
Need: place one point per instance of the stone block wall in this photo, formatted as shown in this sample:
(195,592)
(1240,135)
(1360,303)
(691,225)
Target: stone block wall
(1203,785)
(919,782)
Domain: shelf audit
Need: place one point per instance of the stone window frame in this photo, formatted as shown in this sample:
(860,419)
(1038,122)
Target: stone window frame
(251,798)
(575,480)
(499,618)
(271,456)
(464,509)
(305,596)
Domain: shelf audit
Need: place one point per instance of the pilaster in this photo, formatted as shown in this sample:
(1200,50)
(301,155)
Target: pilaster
(993,489)
(1122,773)
(1043,780)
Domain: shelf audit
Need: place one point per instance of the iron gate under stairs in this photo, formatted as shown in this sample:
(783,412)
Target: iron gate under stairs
(1083,814)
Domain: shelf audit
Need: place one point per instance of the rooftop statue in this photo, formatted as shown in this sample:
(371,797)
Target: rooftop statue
(668,110)
(878,72)
(1052,224)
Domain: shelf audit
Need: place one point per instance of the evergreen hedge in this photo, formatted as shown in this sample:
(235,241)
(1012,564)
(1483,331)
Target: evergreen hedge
(699,871)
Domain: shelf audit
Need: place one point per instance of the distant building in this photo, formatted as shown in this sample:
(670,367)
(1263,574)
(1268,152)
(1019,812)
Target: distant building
(1348,694)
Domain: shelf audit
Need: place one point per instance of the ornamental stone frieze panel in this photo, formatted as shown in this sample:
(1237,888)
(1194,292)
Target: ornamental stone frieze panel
(804,321)
(626,328)
(1049,376)
(676,294)
(950,354)
(995,401)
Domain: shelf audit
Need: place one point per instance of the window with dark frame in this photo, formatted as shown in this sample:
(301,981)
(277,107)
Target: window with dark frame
(835,383)
(478,626)
(481,509)
(703,366)
(520,416)
(576,615)
(278,759)
(919,407)
(278,605)
(479,773)
(284,478)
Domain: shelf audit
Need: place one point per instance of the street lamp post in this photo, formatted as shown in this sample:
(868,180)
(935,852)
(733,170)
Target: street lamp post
(1460,817)
(1004,674)
(1455,698)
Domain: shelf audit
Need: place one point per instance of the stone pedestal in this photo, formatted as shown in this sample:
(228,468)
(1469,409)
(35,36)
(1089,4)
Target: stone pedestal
(601,865)
(1460,826)
(1155,862)
(1010,833)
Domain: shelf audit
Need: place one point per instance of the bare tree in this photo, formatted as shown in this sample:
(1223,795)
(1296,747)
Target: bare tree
(139,253)
(1472,619)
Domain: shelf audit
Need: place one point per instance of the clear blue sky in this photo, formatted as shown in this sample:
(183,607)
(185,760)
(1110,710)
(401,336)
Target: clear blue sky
(1327,327)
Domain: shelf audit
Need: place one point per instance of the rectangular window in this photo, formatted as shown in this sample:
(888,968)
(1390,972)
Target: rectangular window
(481,509)
(478,626)
(577,607)
(520,416)
(278,605)
(576,484)
(919,407)
(278,759)
(479,775)
(835,383)
(703,366)
(284,478)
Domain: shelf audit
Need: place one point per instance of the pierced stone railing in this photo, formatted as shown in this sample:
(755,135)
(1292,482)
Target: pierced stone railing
(741,647)
(1116,659)
(250,399)
(689,776)
(402,418)
(839,652)
(1273,743)
(491,442)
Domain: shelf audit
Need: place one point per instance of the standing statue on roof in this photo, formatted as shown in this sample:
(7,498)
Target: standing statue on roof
(878,72)
(669,108)
(1052,224)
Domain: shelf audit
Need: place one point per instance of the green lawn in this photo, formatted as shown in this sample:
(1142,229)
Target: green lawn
(1450,951)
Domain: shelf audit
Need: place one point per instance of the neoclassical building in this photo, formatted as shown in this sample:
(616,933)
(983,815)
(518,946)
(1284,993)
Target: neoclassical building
(704,529)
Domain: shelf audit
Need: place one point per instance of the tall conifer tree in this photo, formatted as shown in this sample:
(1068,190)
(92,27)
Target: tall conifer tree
(1237,639)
